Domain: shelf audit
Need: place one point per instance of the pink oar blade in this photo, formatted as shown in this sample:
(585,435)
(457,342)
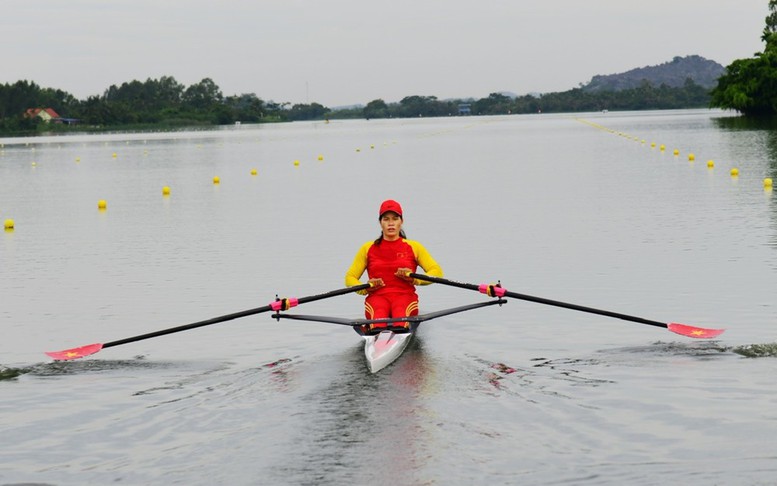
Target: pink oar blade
(75,353)
(694,332)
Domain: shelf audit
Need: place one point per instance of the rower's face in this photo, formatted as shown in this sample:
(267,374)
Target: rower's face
(390,224)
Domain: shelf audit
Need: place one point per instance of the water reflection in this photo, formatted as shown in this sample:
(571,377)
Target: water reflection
(761,126)
(755,137)
(360,426)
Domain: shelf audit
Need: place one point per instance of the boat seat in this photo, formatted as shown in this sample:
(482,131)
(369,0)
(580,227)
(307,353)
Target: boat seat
(378,327)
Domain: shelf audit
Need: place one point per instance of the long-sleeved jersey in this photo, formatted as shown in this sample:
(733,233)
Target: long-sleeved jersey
(382,261)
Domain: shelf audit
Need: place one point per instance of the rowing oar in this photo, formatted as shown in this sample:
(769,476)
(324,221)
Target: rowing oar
(498,291)
(277,305)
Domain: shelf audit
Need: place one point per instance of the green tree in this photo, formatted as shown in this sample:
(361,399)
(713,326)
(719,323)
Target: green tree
(202,95)
(415,106)
(246,107)
(496,103)
(376,109)
(313,111)
(168,91)
(750,85)
(771,24)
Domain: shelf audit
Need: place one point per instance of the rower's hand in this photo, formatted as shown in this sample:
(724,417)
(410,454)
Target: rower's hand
(375,284)
(404,274)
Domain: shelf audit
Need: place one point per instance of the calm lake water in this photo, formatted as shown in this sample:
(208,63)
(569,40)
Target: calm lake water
(580,209)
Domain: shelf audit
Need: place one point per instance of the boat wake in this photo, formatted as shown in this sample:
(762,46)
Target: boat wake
(767,350)
(10,373)
(702,350)
(696,349)
(58,368)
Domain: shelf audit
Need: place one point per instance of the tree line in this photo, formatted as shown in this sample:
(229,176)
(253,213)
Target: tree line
(645,97)
(162,101)
(750,85)
(165,102)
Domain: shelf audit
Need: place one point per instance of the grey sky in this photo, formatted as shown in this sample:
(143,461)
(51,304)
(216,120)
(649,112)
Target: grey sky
(341,52)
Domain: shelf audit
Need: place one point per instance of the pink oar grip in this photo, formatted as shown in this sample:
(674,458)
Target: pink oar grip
(492,290)
(284,304)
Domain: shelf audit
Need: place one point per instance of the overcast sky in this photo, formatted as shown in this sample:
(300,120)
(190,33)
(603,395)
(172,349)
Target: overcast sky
(341,52)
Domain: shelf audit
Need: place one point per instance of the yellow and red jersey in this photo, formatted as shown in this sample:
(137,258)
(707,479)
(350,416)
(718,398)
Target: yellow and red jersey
(381,260)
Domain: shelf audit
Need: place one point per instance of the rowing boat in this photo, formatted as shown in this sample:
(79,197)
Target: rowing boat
(386,339)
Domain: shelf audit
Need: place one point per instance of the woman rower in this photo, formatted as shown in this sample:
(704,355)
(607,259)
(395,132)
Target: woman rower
(388,260)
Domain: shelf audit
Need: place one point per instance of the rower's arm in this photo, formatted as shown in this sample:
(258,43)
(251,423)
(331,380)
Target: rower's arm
(425,261)
(354,274)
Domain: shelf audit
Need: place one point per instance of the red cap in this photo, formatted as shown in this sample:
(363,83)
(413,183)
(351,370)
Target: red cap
(390,205)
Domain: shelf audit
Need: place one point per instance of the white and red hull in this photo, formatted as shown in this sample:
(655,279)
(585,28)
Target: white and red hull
(384,348)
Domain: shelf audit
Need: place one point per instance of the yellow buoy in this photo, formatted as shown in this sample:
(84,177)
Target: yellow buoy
(710,164)
(663,147)
(768,183)
(358,150)
(691,157)
(676,152)
(296,163)
(372,146)
(320,157)
(102,204)
(216,180)
(652,144)
(166,191)
(734,172)
(78,159)
(9,224)
(253,171)
(114,155)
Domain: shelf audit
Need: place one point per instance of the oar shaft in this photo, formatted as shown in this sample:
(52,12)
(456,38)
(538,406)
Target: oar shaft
(186,327)
(581,308)
(542,300)
(334,293)
(236,315)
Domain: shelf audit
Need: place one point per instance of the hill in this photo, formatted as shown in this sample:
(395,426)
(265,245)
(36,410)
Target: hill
(702,71)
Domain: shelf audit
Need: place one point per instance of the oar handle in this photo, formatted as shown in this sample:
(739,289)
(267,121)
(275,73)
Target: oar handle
(498,291)
(276,305)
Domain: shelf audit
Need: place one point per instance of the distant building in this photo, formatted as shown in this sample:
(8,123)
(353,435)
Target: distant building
(45,114)
(48,115)
(465,109)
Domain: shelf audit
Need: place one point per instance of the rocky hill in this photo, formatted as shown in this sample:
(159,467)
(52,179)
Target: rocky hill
(673,73)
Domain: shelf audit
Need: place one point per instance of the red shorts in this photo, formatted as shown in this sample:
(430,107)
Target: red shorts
(392,305)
